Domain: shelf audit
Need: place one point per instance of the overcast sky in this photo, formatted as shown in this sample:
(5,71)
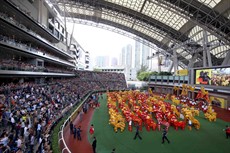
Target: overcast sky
(99,42)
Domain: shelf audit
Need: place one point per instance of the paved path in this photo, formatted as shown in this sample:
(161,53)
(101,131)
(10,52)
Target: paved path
(82,146)
(223,114)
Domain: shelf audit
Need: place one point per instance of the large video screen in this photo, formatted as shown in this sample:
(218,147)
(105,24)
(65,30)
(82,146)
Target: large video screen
(216,76)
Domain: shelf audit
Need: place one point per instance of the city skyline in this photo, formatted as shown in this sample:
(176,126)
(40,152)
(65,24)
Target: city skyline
(100,42)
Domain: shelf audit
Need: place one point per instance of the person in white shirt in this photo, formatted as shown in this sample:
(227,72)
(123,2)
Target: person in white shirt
(39,129)
(22,125)
(26,136)
(32,142)
(19,142)
(4,140)
(12,120)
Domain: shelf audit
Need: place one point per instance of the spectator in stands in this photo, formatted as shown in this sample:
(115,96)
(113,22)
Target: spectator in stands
(19,142)
(32,142)
(35,107)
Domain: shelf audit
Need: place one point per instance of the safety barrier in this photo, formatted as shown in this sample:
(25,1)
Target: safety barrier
(60,133)
(71,117)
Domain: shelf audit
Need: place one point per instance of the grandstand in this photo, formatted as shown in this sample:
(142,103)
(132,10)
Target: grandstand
(46,82)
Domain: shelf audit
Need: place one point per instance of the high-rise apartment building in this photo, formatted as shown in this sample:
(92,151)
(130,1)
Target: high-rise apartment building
(102,61)
(137,63)
(141,54)
(123,56)
(145,54)
(114,61)
(129,55)
(126,61)
(126,56)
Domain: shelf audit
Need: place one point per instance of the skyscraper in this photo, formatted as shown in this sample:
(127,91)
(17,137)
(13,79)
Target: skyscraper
(129,55)
(114,61)
(126,56)
(141,54)
(137,63)
(145,54)
(123,56)
(102,61)
(126,62)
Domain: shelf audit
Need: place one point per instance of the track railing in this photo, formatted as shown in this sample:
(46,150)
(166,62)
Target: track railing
(71,117)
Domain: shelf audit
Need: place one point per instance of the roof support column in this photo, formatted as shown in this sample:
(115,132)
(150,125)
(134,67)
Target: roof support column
(66,34)
(226,59)
(151,64)
(159,62)
(192,60)
(207,59)
(170,67)
(206,49)
(40,3)
(175,61)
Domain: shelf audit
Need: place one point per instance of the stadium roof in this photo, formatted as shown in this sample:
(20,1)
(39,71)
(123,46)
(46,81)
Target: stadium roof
(165,23)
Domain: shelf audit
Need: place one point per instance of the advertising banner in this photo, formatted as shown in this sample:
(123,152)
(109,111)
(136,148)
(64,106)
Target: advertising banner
(216,76)
(183,72)
(218,102)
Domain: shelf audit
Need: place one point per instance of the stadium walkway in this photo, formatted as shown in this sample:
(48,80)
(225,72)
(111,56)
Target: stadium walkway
(223,114)
(82,146)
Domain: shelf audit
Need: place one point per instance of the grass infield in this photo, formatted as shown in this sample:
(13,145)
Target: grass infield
(209,139)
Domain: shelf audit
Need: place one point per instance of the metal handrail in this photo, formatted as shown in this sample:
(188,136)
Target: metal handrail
(63,140)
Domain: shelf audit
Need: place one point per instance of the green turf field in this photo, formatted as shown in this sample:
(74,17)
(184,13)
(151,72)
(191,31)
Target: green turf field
(209,139)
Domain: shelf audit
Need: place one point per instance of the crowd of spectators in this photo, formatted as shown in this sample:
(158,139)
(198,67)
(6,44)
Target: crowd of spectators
(56,69)
(28,110)
(28,14)
(19,65)
(8,64)
(13,20)
(105,80)
(220,79)
(30,48)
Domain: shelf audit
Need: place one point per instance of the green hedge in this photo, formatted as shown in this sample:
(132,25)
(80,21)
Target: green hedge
(54,138)
(54,135)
